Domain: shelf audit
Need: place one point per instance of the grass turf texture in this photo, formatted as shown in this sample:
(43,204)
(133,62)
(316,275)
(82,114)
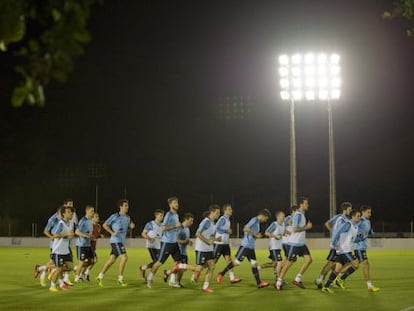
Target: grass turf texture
(393,271)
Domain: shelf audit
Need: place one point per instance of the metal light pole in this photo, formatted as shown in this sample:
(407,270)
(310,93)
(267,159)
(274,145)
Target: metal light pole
(310,77)
(332,183)
(293,183)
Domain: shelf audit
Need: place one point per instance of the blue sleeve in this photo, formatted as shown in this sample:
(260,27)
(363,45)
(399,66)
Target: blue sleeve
(333,220)
(220,225)
(251,222)
(204,225)
(287,219)
(296,220)
(343,228)
(148,226)
(181,235)
(111,219)
(58,228)
(271,228)
(167,221)
(82,225)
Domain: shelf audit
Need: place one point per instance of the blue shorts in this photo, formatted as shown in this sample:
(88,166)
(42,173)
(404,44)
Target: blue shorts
(60,260)
(361,254)
(275,255)
(168,249)
(332,256)
(84,252)
(203,257)
(221,250)
(343,259)
(118,249)
(295,251)
(154,253)
(243,252)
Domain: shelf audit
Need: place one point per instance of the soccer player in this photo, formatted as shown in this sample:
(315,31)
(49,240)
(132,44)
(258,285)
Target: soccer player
(251,233)
(51,224)
(152,233)
(84,231)
(223,232)
(275,232)
(343,241)
(97,234)
(204,244)
(169,246)
(117,225)
(331,224)
(360,246)
(61,255)
(297,245)
(183,240)
(288,226)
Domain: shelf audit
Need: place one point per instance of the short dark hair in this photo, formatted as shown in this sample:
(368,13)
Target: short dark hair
(293,208)
(187,216)
(213,207)
(225,206)
(63,208)
(67,200)
(301,200)
(345,206)
(158,211)
(363,208)
(265,212)
(354,212)
(169,200)
(122,202)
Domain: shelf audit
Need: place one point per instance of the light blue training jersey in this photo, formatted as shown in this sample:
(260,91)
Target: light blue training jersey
(85,226)
(118,223)
(183,234)
(364,231)
(249,240)
(170,220)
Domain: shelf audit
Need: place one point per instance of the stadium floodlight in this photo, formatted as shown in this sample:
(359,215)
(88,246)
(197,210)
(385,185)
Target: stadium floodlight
(310,77)
(316,72)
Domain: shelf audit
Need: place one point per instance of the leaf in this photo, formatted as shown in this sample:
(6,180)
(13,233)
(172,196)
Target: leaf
(19,96)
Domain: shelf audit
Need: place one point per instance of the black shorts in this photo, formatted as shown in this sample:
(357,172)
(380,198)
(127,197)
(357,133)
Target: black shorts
(84,252)
(118,249)
(332,255)
(203,257)
(221,250)
(275,255)
(361,254)
(243,252)
(60,260)
(343,259)
(168,249)
(285,249)
(295,251)
(154,253)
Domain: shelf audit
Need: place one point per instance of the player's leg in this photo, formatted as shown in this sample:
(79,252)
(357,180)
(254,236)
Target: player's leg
(251,256)
(111,260)
(238,259)
(365,269)
(122,263)
(290,259)
(210,270)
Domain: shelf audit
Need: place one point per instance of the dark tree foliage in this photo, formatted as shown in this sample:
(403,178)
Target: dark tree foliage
(39,42)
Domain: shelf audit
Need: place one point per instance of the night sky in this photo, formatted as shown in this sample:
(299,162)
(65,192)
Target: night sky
(145,113)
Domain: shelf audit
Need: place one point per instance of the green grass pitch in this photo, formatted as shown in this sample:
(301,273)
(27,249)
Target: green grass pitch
(392,271)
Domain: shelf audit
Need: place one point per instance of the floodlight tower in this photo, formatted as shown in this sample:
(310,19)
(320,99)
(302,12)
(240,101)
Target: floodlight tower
(310,77)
